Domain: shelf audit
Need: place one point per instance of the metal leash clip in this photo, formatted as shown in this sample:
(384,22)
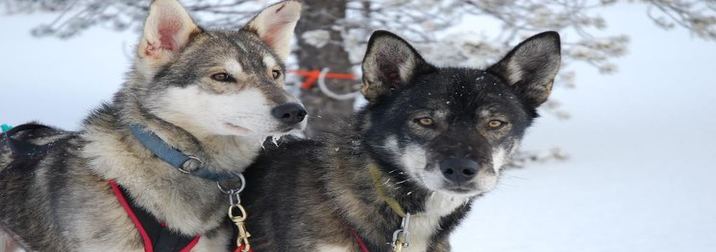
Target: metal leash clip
(242,240)
(238,215)
(400,236)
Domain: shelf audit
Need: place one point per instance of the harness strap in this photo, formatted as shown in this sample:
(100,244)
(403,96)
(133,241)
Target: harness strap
(359,240)
(400,236)
(156,237)
(380,190)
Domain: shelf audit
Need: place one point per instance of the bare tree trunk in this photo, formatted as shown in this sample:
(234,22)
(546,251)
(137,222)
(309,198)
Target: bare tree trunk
(322,15)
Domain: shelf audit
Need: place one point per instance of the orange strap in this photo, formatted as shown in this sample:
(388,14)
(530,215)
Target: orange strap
(311,77)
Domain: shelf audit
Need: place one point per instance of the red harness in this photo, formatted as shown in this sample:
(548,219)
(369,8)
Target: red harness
(359,240)
(146,238)
(148,245)
(241,249)
(164,240)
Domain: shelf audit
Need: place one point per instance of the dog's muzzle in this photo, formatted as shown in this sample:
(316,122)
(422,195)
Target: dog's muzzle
(289,113)
(459,170)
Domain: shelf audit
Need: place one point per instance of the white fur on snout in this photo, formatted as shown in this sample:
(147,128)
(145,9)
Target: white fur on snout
(414,161)
(414,158)
(203,113)
(487,179)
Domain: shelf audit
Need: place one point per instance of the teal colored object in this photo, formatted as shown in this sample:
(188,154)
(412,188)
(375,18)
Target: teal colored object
(5,127)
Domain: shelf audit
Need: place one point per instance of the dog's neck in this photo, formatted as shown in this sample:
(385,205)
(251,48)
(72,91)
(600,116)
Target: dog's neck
(186,203)
(434,214)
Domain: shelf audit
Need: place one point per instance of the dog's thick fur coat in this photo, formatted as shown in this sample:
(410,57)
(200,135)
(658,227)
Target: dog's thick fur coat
(209,94)
(420,122)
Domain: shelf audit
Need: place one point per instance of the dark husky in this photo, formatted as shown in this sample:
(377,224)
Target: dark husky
(209,96)
(430,140)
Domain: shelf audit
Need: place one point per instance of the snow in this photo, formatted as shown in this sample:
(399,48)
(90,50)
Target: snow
(317,38)
(58,81)
(642,142)
(643,150)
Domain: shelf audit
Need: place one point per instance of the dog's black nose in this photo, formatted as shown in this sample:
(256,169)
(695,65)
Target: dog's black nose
(289,113)
(459,170)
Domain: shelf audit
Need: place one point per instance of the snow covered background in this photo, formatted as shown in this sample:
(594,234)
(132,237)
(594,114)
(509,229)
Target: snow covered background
(642,173)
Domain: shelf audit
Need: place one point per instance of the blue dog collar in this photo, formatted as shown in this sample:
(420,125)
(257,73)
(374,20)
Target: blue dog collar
(183,163)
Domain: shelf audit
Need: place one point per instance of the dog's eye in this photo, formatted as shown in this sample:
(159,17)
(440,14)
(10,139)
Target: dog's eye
(276,74)
(495,124)
(222,77)
(425,121)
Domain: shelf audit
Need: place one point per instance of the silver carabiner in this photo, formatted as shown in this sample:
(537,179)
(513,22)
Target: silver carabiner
(400,236)
(231,191)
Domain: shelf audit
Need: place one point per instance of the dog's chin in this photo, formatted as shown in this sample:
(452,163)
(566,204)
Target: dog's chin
(476,187)
(237,130)
(484,183)
(436,183)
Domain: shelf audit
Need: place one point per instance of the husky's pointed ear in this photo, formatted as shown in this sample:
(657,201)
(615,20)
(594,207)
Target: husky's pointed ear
(275,26)
(167,30)
(390,63)
(530,68)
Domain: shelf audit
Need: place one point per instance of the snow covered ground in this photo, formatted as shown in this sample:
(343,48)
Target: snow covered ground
(643,167)
(642,173)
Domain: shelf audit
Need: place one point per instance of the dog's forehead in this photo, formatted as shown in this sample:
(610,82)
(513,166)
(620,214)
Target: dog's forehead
(458,87)
(222,47)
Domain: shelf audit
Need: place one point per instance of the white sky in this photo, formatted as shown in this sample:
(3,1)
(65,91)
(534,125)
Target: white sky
(642,141)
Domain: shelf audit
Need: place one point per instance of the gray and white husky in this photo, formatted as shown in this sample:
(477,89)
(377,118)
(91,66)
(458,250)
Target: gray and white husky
(213,95)
(430,140)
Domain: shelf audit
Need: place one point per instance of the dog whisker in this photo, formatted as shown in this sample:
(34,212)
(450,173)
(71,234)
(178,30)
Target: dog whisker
(401,182)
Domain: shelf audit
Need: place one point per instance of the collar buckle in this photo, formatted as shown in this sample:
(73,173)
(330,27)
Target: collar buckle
(190,165)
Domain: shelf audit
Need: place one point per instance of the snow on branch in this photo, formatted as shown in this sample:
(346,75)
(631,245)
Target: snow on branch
(430,24)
